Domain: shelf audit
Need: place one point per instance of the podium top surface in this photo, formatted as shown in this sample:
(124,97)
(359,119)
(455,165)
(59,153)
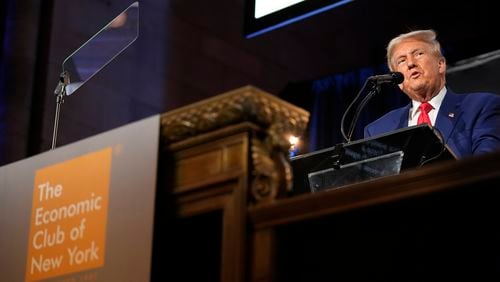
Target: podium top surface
(420,145)
(402,139)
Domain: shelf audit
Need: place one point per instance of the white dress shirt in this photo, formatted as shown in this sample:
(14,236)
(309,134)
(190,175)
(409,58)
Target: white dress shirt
(435,103)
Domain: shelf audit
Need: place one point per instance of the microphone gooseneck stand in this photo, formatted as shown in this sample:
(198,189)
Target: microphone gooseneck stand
(375,88)
(376,82)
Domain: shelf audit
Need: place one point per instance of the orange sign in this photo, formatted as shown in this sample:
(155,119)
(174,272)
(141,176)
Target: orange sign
(68,216)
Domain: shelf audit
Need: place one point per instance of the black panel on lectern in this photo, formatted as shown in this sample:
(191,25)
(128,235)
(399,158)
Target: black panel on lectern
(420,145)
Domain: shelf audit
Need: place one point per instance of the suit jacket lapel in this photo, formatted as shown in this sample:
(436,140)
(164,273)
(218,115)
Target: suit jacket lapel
(448,114)
(403,121)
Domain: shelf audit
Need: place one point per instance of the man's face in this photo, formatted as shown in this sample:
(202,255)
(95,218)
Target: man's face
(423,70)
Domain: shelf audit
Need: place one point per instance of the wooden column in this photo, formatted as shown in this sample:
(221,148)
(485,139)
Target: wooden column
(225,154)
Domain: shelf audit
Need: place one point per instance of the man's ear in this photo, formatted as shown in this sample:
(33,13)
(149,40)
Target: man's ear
(442,65)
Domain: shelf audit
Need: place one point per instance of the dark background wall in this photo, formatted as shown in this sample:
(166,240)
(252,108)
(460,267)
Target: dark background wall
(189,50)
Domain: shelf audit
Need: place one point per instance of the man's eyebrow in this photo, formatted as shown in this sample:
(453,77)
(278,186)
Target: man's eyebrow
(411,52)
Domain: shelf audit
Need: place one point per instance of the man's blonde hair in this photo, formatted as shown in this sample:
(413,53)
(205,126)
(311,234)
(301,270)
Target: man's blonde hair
(428,36)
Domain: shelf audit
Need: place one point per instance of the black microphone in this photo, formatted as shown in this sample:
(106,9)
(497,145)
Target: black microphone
(392,77)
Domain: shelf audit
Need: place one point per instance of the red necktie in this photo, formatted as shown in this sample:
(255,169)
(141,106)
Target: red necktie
(425,108)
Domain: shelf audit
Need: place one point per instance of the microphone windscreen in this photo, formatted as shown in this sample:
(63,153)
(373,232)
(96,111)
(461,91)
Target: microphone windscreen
(398,77)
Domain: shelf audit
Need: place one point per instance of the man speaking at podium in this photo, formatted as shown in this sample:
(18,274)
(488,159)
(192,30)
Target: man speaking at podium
(469,123)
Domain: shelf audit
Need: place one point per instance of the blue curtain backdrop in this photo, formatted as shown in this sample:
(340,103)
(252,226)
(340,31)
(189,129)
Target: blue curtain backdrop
(327,98)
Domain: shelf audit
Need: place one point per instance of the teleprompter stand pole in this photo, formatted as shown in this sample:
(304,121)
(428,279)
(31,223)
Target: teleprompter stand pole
(60,92)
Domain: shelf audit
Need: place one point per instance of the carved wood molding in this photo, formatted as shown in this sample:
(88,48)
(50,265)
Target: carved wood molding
(275,118)
(278,118)
(272,174)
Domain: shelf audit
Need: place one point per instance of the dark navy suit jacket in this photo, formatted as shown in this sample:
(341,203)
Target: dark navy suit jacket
(469,123)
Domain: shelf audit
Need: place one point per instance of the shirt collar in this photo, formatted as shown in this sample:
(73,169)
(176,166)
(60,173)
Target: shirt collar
(435,103)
